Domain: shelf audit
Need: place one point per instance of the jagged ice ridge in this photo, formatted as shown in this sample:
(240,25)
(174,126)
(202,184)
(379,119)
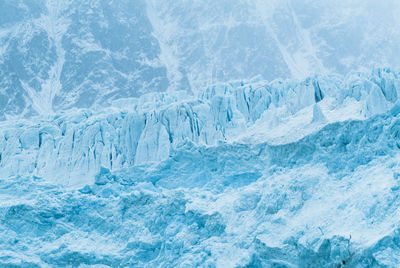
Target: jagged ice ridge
(248,174)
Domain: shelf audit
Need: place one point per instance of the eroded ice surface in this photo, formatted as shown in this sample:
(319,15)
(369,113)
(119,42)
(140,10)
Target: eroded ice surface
(248,174)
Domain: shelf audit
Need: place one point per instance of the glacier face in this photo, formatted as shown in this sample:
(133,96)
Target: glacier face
(55,55)
(149,128)
(292,173)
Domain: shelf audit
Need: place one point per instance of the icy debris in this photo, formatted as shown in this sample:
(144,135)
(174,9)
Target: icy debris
(104,177)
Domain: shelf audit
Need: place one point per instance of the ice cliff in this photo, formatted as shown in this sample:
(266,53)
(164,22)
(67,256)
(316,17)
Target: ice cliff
(292,173)
(144,130)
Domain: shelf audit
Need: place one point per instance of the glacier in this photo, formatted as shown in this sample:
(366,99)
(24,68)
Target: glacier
(247,173)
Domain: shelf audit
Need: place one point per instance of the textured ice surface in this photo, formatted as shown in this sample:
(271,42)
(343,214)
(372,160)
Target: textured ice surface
(56,54)
(70,148)
(246,174)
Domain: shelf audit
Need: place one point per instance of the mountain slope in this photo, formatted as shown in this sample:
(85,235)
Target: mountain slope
(55,55)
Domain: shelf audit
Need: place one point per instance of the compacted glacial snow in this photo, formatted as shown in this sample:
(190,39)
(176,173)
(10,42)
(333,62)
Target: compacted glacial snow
(245,174)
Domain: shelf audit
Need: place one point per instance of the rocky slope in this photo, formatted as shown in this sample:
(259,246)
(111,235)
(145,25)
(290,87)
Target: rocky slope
(55,55)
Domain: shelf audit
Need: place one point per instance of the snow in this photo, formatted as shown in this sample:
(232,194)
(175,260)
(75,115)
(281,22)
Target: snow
(297,173)
(55,55)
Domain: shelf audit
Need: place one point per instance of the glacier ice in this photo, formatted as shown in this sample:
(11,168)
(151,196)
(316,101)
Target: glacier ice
(318,116)
(144,130)
(292,173)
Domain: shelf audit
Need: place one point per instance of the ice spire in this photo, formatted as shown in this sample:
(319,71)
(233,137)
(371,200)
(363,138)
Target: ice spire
(318,116)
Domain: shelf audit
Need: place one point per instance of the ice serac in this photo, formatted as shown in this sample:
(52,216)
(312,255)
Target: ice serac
(293,173)
(318,116)
(70,148)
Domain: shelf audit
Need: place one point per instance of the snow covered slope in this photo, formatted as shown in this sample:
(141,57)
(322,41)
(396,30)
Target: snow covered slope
(246,174)
(55,54)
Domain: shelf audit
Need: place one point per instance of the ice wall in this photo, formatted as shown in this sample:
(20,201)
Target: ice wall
(70,148)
